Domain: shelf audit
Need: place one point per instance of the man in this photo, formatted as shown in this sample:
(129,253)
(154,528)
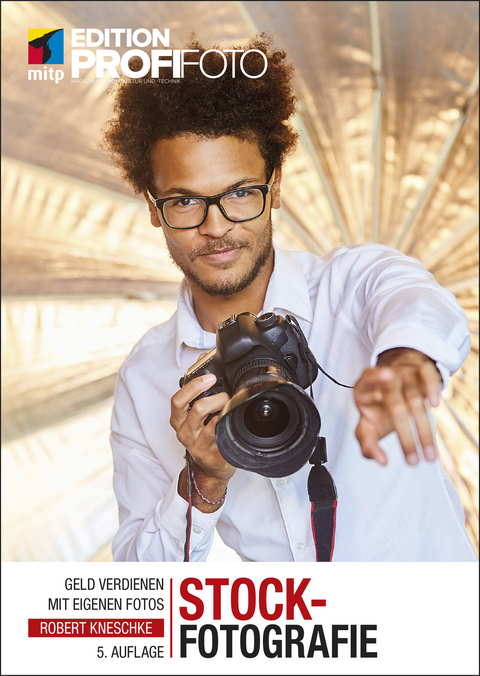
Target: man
(372,317)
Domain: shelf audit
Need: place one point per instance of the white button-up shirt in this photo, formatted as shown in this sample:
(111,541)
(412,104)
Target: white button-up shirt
(352,305)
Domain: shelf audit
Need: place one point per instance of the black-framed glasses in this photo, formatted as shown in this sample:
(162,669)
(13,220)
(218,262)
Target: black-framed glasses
(185,212)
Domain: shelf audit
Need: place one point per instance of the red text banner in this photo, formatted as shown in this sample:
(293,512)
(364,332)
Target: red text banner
(131,628)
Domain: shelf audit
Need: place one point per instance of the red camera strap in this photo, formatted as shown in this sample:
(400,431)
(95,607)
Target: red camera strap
(322,494)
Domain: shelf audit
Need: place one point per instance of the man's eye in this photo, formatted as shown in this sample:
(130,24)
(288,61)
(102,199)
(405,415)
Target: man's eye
(241,193)
(184,202)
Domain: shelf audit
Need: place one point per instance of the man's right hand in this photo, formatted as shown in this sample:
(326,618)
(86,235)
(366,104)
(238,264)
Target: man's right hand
(212,472)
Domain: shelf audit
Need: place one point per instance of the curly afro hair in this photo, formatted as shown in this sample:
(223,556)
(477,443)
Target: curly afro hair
(146,110)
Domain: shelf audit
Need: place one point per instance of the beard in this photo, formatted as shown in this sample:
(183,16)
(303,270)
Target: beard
(231,283)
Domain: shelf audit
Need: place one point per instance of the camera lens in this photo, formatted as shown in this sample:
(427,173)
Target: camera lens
(269,427)
(267,423)
(266,418)
(265,411)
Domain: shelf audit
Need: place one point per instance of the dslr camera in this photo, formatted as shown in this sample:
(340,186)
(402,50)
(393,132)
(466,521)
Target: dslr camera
(270,425)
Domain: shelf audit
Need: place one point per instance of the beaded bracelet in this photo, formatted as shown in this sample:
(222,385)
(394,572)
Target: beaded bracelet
(210,502)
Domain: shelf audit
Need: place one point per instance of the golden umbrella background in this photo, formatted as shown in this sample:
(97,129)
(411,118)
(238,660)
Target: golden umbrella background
(389,153)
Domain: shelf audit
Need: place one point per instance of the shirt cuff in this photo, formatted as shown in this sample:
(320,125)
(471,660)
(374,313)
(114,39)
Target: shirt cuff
(427,343)
(172,515)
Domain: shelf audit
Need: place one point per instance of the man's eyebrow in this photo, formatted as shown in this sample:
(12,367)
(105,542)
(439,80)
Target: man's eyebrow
(179,190)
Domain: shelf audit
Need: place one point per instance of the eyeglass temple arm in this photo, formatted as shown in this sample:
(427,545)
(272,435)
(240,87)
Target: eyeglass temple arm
(151,197)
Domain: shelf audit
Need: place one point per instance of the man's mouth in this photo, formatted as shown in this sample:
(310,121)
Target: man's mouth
(221,255)
(218,250)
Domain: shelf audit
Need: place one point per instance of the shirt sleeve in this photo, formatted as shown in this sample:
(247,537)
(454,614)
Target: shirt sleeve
(395,302)
(152,514)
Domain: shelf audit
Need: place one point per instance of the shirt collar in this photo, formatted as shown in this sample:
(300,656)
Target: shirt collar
(189,331)
(287,293)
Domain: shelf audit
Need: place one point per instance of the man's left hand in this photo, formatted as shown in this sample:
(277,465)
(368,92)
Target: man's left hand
(396,391)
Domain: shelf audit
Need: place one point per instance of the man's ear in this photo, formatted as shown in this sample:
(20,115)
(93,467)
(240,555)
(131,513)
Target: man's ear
(154,220)
(276,201)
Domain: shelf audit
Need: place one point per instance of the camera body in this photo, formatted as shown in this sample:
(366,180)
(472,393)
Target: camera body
(270,337)
(270,425)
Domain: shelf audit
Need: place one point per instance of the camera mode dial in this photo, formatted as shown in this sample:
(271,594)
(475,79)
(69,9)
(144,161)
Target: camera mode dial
(267,320)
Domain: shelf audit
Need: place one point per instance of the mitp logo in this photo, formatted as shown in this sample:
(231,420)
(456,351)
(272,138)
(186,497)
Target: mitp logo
(45,45)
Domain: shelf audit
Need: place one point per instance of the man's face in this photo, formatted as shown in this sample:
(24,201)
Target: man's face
(220,257)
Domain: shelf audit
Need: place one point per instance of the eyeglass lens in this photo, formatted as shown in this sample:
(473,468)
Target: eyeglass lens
(239,205)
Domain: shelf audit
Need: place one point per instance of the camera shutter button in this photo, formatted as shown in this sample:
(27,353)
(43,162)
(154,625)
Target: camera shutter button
(267,320)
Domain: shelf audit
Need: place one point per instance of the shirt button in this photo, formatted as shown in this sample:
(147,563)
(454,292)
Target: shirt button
(197,530)
(300,545)
(281,483)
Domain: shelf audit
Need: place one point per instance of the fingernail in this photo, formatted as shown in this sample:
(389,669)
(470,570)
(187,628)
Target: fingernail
(412,458)
(209,379)
(430,453)
(434,399)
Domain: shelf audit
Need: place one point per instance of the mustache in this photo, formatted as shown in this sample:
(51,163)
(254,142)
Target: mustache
(219,245)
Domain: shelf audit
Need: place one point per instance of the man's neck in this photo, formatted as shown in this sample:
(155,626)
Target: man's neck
(211,310)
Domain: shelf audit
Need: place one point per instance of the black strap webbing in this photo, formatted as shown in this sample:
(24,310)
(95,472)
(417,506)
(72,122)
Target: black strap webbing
(323,497)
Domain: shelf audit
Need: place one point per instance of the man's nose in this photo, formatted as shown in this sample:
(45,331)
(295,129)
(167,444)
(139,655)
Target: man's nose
(215,224)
